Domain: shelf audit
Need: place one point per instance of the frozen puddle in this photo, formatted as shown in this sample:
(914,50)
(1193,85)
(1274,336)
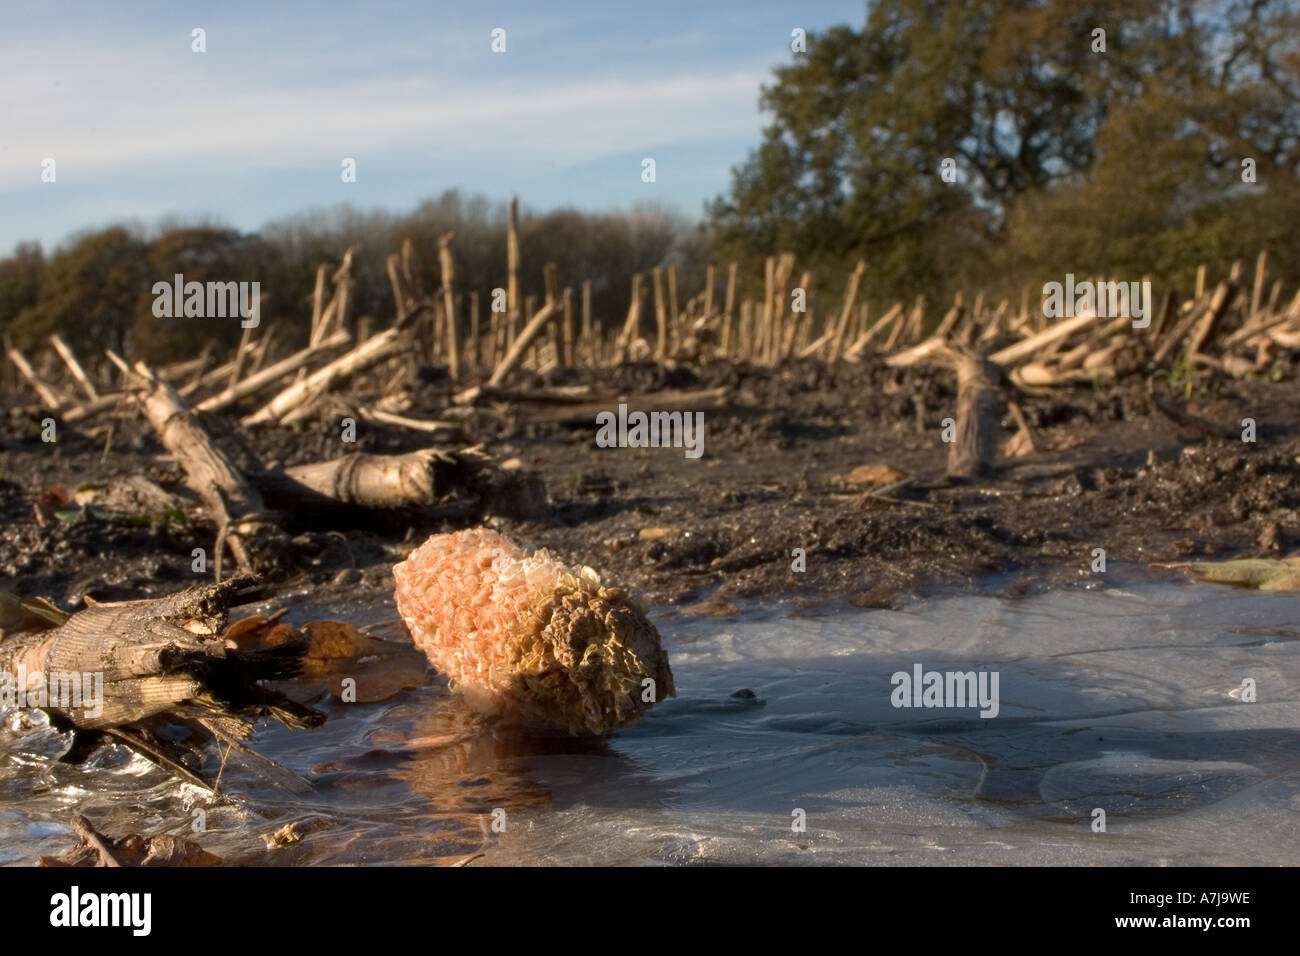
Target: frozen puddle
(1120,700)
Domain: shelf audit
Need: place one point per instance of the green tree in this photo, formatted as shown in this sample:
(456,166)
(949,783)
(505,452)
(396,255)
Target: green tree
(20,280)
(88,293)
(1063,154)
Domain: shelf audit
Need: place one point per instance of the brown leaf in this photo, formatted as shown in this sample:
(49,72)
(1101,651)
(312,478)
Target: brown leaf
(28,614)
(258,631)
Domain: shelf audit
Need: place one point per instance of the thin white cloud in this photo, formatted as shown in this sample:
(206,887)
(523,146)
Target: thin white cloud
(116,114)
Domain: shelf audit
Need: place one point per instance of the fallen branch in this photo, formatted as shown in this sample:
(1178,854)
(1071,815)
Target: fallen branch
(78,373)
(46,393)
(273,373)
(368,353)
(470,483)
(233,502)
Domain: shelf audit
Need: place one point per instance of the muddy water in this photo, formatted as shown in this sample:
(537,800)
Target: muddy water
(1119,699)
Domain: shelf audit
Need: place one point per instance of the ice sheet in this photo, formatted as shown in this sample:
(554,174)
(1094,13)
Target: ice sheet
(1119,699)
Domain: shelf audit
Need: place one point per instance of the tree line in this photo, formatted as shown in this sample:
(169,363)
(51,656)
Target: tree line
(96,289)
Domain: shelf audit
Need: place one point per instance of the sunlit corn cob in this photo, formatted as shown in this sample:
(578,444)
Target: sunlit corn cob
(526,637)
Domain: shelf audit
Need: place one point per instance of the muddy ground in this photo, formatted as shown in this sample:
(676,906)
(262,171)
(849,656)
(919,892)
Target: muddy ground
(1111,472)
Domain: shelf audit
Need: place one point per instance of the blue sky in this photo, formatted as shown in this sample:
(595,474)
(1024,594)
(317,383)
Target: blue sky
(256,128)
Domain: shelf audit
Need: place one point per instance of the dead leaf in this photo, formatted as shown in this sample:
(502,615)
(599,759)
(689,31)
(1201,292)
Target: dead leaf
(255,632)
(28,614)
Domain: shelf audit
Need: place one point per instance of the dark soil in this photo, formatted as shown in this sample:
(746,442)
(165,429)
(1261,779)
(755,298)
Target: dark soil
(1112,473)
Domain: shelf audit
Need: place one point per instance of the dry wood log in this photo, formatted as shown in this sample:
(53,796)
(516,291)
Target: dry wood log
(745,331)
(448,267)
(1102,360)
(368,353)
(949,322)
(178,370)
(674,316)
(973,454)
(47,393)
(1094,341)
(160,662)
(661,314)
(812,348)
(1257,293)
(729,302)
(212,377)
(343,283)
(382,416)
(236,505)
(1168,309)
(1267,320)
(974,451)
(263,347)
(422,479)
(1021,351)
(1169,342)
(779,307)
(850,299)
(1039,375)
(78,373)
(273,373)
(241,353)
(318,299)
(996,324)
(568,326)
(525,339)
(393,266)
(1022,442)
(91,409)
(1288,340)
(587,343)
(916,322)
(796,325)
(1223,297)
(857,348)
(632,326)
